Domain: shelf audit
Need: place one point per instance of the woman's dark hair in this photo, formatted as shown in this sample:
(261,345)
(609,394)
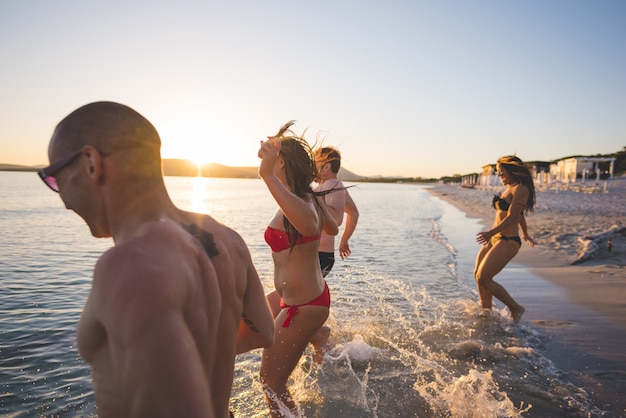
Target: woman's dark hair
(300,168)
(300,171)
(520,171)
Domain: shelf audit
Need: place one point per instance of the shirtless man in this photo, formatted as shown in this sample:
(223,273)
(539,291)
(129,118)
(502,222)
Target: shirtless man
(176,297)
(328,160)
(337,202)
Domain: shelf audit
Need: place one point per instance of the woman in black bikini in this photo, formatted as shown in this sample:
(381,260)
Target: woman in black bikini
(502,242)
(301,301)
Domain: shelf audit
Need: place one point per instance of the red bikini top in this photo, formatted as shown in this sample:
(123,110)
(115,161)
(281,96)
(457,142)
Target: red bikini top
(280,240)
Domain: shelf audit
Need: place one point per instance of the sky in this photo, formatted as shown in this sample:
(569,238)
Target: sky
(403,88)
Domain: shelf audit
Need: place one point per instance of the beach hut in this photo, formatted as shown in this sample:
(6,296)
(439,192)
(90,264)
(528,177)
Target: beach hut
(569,169)
(488,177)
(540,171)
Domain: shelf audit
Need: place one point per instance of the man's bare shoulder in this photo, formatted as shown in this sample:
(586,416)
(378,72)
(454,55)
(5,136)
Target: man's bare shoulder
(159,247)
(331,184)
(225,237)
(159,267)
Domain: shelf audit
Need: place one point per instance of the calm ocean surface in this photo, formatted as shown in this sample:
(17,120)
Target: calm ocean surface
(404,312)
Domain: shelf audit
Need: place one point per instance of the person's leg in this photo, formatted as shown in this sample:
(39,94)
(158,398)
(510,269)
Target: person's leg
(492,263)
(484,294)
(282,357)
(319,339)
(321,344)
(273,300)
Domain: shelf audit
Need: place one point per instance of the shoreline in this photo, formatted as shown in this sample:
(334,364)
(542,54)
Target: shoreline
(598,283)
(580,305)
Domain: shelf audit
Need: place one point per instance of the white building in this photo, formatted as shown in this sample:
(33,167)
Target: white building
(569,169)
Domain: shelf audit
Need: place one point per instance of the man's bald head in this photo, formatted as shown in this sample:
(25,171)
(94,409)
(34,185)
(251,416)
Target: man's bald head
(110,128)
(107,126)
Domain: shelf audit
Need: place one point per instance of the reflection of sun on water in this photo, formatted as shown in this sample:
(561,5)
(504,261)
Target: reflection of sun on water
(199,163)
(199,195)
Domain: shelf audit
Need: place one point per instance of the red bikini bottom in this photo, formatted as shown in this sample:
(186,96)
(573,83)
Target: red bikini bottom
(321,300)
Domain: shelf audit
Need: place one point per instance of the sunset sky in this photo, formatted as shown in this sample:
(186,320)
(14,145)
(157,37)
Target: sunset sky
(403,88)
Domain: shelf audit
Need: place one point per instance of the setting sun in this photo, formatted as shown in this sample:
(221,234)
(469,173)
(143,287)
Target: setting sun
(198,138)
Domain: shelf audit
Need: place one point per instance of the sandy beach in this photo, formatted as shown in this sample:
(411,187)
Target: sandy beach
(573,282)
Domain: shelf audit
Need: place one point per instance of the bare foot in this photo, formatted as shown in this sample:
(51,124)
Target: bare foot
(485,313)
(516,314)
(321,344)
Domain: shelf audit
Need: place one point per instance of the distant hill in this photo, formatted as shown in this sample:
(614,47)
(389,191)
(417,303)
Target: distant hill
(347,175)
(186,168)
(14,167)
(182,167)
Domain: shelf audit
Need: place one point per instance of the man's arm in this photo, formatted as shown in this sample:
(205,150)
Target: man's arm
(162,362)
(142,302)
(352,218)
(256,328)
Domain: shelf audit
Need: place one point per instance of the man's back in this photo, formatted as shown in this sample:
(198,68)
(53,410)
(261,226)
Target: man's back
(226,262)
(155,286)
(242,298)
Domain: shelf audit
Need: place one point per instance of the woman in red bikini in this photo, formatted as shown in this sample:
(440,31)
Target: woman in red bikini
(502,242)
(301,301)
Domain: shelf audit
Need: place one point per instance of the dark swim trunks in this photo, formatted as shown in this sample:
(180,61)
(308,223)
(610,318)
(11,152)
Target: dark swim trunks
(327,261)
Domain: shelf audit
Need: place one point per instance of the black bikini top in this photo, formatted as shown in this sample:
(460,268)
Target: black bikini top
(499,203)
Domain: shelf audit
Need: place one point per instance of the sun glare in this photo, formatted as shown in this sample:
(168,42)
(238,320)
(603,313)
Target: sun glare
(201,140)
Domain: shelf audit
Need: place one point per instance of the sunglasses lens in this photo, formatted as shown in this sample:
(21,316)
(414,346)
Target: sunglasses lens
(52,183)
(56,167)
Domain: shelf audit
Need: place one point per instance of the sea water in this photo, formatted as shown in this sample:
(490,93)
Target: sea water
(408,334)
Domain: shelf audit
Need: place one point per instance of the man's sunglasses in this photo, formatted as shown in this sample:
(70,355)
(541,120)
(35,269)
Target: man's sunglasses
(48,174)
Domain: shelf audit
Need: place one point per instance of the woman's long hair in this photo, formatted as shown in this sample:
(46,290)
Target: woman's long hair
(300,172)
(520,171)
(300,168)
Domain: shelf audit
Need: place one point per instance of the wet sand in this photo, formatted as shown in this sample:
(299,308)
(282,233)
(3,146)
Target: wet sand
(573,287)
